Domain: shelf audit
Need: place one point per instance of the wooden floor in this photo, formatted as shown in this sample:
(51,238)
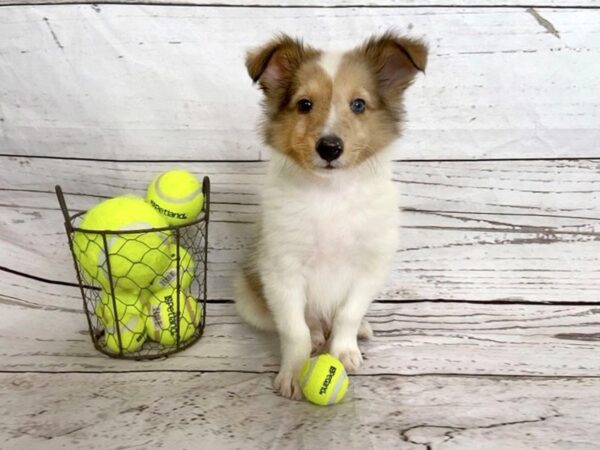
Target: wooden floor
(436,375)
(487,334)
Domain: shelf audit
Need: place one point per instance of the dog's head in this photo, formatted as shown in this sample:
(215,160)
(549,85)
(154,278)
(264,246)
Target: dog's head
(329,111)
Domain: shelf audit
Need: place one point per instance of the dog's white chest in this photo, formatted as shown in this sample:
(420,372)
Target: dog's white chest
(332,224)
(337,233)
(329,232)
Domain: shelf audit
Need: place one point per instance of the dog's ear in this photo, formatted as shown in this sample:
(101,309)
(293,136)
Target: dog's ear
(273,64)
(396,60)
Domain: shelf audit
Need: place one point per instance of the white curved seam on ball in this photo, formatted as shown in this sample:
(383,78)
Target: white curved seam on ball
(313,363)
(168,198)
(336,389)
(190,311)
(116,235)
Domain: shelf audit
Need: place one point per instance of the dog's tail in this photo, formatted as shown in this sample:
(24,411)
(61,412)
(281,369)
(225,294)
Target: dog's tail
(251,303)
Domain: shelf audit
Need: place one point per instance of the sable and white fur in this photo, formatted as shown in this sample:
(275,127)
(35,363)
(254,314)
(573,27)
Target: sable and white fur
(328,227)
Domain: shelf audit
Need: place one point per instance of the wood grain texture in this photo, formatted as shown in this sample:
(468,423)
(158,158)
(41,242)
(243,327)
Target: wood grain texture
(152,82)
(235,411)
(102,89)
(43,329)
(324,4)
(526,231)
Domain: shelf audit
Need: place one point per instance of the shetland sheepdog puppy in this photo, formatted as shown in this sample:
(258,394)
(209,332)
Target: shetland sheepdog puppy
(328,223)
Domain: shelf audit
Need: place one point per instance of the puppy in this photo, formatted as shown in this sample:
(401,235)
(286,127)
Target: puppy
(327,232)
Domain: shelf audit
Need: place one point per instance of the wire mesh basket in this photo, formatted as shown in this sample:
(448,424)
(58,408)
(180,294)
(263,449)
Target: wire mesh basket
(143,288)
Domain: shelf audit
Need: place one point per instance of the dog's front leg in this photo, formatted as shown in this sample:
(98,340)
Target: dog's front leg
(287,302)
(347,322)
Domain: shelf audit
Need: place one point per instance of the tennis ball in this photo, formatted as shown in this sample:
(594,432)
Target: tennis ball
(126,302)
(169,278)
(324,380)
(162,322)
(135,258)
(132,330)
(177,195)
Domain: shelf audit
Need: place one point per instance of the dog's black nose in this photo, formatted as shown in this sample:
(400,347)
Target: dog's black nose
(330,148)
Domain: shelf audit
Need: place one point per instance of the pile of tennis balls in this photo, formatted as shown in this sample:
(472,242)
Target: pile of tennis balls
(143,301)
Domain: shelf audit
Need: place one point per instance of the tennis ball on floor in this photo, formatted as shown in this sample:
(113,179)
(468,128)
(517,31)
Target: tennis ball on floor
(162,321)
(169,278)
(177,195)
(324,380)
(126,303)
(132,329)
(135,258)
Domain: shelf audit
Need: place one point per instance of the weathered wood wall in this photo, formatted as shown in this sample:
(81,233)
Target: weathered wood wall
(160,83)
(98,98)
(487,329)
(477,230)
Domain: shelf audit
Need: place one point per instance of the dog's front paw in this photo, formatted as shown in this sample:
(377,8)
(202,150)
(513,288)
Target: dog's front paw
(350,357)
(286,385)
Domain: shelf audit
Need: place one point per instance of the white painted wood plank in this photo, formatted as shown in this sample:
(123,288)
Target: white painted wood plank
(478,231)
(149,82)
(559,188)
(240,411)
(441,261)
(329,4)
(43,329)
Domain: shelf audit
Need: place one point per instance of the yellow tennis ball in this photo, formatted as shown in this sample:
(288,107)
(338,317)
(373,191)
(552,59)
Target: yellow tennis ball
(169,278)
(324,380)
(132,331)
(177,195)
(135,258)
(126,303)
(163,321)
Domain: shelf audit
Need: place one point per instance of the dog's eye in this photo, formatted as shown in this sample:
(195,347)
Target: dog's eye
(304,105)
(358,105)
